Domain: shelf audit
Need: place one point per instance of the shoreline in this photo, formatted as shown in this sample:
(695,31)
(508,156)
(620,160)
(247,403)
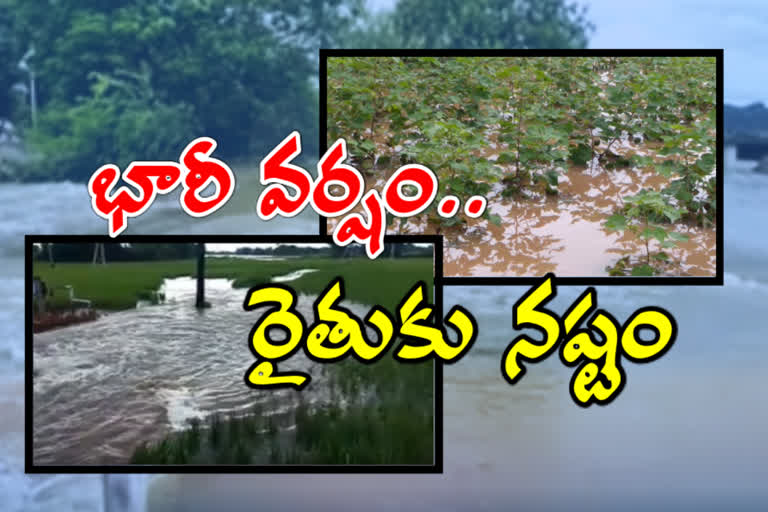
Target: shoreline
(58,319)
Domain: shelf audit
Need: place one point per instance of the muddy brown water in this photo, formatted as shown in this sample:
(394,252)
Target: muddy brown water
(103,388)
(564,234)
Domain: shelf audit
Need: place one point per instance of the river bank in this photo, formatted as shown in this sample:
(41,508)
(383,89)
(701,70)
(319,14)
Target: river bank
(358,421)
(57,319)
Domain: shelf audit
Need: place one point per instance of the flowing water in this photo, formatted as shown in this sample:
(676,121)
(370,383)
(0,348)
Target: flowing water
(64,208)
(137,375)
(687,432)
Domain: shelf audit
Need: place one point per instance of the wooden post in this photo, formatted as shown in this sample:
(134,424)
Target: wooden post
(200,301)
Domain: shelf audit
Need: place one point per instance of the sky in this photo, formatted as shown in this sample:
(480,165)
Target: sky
(740,27)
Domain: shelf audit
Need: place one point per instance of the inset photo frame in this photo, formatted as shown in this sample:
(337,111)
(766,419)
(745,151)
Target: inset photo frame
(604,167)
(140,356)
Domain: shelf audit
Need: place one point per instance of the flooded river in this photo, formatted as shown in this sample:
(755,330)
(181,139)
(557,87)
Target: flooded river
(687,432)
(64,208)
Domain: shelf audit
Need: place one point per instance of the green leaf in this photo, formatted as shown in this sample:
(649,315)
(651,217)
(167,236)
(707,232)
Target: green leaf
(616,222)
(659,233)
(581,154)
(552,177)
(678,236)
(667,168)
(643,271)
(367,146)
(506,158)
(673,214)
(654,232)
(707,160)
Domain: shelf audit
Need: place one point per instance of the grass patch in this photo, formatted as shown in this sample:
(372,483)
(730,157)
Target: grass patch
(113,286)
(396,428)
(119,285)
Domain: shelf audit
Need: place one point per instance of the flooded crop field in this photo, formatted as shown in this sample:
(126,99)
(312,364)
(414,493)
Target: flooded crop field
(591,166)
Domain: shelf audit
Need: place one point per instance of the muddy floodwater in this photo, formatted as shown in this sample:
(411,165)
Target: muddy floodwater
(566,234)
(562,233)
(103,388)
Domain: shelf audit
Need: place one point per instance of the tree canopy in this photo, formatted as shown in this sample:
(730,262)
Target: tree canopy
(120,80)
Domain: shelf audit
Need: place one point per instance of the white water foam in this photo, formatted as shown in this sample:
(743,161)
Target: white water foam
(181,407)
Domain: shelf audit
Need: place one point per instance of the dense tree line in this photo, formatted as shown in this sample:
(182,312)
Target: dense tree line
(84,252)
(120,80)
(399,249)
(745,123)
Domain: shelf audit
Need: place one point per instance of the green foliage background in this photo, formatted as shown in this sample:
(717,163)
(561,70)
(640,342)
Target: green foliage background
(122,80)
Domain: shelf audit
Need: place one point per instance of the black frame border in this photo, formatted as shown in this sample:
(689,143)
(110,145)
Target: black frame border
(30,468)
(716,280)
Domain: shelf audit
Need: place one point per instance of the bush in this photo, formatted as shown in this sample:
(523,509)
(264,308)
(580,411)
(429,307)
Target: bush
(77,140)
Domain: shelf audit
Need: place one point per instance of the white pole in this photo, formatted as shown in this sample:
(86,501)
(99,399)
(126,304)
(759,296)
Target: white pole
(24,66)
(33,98)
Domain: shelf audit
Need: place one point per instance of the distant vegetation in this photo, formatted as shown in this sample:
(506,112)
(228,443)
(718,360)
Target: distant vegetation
(745,122)
(397,249)
(119,285)
(116,251)
(83,252)
(124,80)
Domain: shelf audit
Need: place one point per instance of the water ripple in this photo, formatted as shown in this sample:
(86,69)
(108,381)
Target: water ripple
(136,375)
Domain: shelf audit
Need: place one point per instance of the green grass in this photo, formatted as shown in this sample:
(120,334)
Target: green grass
(113,286)
(116,286)
(395,429)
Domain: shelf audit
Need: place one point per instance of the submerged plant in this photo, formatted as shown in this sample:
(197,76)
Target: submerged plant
(644,215)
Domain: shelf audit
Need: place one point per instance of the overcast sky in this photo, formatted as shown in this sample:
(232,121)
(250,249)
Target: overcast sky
(740,27)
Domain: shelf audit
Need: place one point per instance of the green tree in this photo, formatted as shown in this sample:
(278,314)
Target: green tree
(313,24)
(123,80)
(9,57)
